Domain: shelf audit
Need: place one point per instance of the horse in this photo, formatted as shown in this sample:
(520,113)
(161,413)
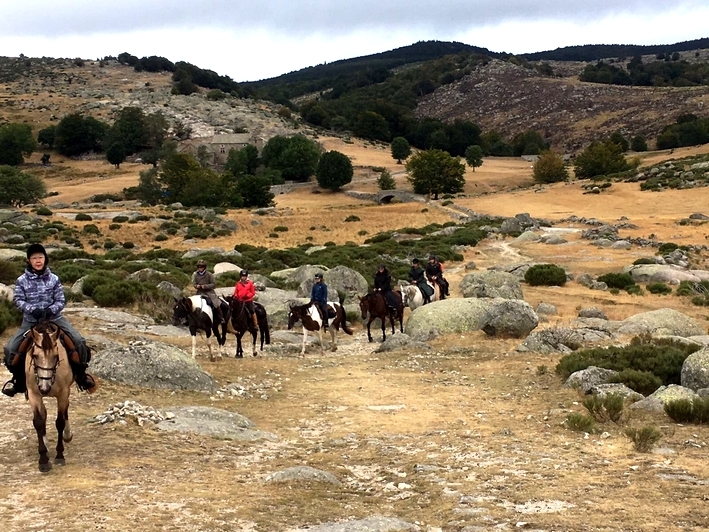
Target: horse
(198,315)
(375,304)
(412,296)
(309,317)
(240,322)
(48,374)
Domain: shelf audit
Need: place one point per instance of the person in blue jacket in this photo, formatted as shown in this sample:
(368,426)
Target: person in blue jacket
(318,295)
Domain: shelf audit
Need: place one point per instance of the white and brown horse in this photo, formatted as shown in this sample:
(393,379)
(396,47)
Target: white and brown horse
(48,374)
(198,315)
(309,317)
(412,296)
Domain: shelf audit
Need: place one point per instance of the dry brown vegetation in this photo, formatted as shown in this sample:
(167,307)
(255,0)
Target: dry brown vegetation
(470,435)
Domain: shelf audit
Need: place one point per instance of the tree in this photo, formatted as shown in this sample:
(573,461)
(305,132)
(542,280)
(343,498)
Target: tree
(16,143)
(400,149)
(435,172)
(529,143)
(494,144)
(550,168)
(156,128)
(296,157)
(149,189)
(373,126)
(334,170)
(474,156)
(638,143)
(600,158)
(255,191)
(77,134)
(385,181)
(19,188)
(130,130)
(242,162)
(116,154)
(46,136)
(618,138)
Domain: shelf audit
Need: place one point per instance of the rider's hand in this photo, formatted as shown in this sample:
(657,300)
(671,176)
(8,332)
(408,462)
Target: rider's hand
(39,313)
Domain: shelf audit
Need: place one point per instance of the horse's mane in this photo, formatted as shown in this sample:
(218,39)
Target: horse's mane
(46,329)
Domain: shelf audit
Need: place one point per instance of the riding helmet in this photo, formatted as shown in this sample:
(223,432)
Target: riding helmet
(415,261)
(382,267)
(35,249)
(201,263)
(318,275)
(432,257)
(243,272)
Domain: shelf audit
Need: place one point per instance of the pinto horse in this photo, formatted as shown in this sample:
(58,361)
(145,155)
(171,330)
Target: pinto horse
(309,317)
(413,298)
(198,315)
(376,306)
(48,374)
(240,323)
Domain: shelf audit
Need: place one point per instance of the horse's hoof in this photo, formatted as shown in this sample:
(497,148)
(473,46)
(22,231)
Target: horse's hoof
(45,468)
(68,438)
(60,461)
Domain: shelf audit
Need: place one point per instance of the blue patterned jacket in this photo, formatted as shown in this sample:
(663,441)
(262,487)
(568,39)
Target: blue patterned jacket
(33,291)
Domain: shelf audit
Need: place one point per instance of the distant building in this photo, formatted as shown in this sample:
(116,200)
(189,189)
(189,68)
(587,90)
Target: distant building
(216,148)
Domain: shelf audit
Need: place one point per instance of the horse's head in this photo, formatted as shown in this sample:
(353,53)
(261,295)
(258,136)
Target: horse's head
(293,314)
(182,309)
(44,355)
(364,306)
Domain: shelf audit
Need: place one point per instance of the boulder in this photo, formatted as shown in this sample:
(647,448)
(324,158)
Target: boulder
(586,379)
(646,273)
(663,395)
(6,292)
(299,274)
(338,279)
(592,312)
(511,318)
(491,284)
(213,422)
(527,236)
(152,365)
(695,370)
(661,321)
(223,267)
(303,473)
(602,390)
(546,309)
(376,523)
(8,254)
(145,275)
(401,341)
(163,286)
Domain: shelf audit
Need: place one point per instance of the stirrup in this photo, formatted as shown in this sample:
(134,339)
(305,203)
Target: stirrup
(9,388)
(89,384)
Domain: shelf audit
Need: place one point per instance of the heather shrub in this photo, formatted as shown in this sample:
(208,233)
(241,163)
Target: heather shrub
(644,439)
(545,275)
(580,423)
(617,280)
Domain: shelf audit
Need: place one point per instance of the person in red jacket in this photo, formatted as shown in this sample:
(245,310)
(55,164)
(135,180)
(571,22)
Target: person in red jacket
(245,291)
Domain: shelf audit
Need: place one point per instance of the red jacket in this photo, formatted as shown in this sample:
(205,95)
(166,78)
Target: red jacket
(245,292)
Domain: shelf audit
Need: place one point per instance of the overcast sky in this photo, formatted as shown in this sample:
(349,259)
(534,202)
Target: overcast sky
(257,39)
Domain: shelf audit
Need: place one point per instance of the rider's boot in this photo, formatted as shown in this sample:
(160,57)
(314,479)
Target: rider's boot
(83,380)
(255,318)
(220,315)
(17,384)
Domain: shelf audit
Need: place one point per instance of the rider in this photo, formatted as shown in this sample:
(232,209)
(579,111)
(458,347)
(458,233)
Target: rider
(417,276)
(318,296)
(245,291)
(40,296)
(382,284)
(203,281)
(434,273)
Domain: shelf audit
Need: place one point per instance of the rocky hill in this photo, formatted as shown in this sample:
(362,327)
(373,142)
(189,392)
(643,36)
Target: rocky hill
(570,113)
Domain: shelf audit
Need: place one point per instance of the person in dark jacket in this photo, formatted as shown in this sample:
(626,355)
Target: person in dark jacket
(318,296)
(434,273)
(39,295)
(382,284)
(204,283)
(417,276)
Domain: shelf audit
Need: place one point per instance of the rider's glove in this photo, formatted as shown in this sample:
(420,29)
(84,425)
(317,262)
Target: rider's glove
(39,313)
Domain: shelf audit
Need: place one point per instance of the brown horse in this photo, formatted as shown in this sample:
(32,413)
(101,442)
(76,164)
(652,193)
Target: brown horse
(309,317)
(376,306)
(48,374)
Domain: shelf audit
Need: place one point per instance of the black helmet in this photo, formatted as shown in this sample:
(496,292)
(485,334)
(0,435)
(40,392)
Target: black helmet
(318,275)
(201,262)
(243,272)
(415,261)
(34,249)
(382,267)
(431,257)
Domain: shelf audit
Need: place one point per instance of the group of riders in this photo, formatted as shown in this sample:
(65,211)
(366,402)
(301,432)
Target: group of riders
(39,295)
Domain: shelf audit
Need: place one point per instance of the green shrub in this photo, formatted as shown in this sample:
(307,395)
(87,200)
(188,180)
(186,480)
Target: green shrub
(690,288)
(73,296)
(644,260)
(9,315)
(643,382)
(545,275)
(667,247)
(658,288)
(352,218)
(380,237)
(91,229)
(280,229)
(617,280)
(128,245)
(272,235)
(116,294)
(70,272)
(114,227)
(635,290)
(580,423)
(160,237)
(109,244)
(10,270)
(643,439)
(44,211)
(120,219)
(96,279)
(83,217)
(660,356)
(606,408)
(362,232)
(446,203)
(686,411)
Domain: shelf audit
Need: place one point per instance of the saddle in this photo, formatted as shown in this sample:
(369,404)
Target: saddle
(66,341)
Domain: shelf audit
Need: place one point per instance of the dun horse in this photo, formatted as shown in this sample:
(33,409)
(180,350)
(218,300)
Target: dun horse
(375,305)
(240,323)
(48,374)
(413,298)
(309,317)
(199,316)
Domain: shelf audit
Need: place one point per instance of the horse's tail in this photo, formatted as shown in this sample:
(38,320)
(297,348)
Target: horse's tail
(343,320)
(263,327)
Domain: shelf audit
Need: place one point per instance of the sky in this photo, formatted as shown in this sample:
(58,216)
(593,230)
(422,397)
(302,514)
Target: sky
(250,40)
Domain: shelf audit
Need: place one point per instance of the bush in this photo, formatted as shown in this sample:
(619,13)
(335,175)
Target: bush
(44,211)
(580,423)
(644,260)
(109,244)
(10,271)
(352,218)
(550,168)
(643,382)
(114,227)
(116,294)
(9,315)
(128,245)
(607,408)
(280,229)
(667,247)
(120,219)
(686,411)
(83,217)
(545,275)
(160,237)
(643,439)
(70,272)
(617,280)
(91,229)
(635,290)
(658,288)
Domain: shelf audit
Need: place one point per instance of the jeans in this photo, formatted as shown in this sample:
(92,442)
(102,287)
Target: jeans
(14,343)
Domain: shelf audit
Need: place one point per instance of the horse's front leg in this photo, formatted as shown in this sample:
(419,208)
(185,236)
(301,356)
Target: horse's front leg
(305,339)
(239,350)
(194,345)
(39,420)
(384,329)
(369,329)
(333,336)
(62,426)
(209,348)
(254,335)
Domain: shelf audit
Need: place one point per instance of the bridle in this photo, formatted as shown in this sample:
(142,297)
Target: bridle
(53,369)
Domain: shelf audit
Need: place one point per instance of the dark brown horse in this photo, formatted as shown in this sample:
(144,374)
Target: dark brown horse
(376,306)
(240,323)
(48,374)
(309,317)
